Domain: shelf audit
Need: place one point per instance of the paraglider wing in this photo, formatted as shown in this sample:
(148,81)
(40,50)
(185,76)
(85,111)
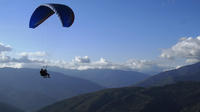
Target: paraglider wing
(65,14)
(40,15)
(43,12)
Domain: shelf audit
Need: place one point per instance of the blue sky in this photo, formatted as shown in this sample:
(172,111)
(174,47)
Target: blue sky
(117,30)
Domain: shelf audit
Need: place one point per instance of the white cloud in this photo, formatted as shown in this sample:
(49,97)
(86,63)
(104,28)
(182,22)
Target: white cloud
(79,59)
(147,66)
(185,48)
(4,58)
(4,48)
(24,59)
(33,54)
(11,64)
(102,61)
(190,61)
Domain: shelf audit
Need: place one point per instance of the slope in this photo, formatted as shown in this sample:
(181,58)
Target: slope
(180,97)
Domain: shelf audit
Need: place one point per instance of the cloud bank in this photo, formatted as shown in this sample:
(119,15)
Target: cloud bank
(31,60)
(186,49)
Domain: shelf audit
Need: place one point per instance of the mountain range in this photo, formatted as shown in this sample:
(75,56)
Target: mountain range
(108,78)
(171,91)
(26,89)
(175,90)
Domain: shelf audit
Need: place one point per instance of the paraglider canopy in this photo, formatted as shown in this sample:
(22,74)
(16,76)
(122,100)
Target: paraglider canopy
(43,12)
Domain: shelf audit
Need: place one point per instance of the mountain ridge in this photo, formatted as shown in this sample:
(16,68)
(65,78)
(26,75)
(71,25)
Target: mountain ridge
(185,73)
(177,97)
(9,108)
